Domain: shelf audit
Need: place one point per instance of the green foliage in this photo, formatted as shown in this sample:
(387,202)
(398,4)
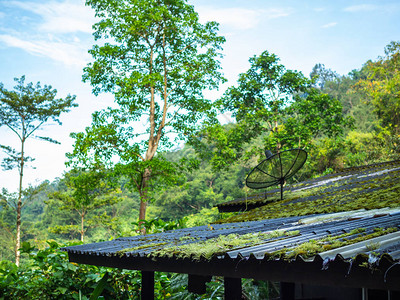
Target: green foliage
(146,35)
(28,107)
(156,58)
(312,116)
(257,104)
(45,219)
(273,108)
(251,289)
(7,242)
(343,88)
(49,275)
(200,189)
(24,111)
(355,149)
(321,76)
(100,287)
(263,91)
(382,85)
(86,191)
(157,225)
(205,216)
(278,106)
(32,210)
(370,94)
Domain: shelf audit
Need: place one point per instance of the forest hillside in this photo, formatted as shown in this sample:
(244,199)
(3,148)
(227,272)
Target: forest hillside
(117,187)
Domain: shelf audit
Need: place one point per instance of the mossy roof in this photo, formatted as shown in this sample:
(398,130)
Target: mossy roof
(353,215)
(366,187)
(267,239)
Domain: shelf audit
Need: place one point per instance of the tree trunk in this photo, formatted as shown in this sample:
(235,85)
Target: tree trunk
(144,198)
(142,209)
(18,238)
(82,222)
(142,215)
(19,207)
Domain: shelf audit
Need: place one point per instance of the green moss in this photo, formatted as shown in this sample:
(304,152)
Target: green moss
(187,238)
(357,230)
(219,245)
(373,246)
(369,194)
(150,245)
(313,247)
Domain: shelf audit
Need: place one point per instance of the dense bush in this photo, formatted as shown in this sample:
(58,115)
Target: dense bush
(47,274)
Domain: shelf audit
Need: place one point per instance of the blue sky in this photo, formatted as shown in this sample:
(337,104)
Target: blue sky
(48,41)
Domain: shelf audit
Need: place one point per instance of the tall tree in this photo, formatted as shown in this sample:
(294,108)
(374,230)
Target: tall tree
(321,75)
(274,103)
(156,58)
(86,191)
(24,110)
(342,88)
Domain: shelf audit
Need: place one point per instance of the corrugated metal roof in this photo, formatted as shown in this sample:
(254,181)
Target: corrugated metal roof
(379,245)
(342,243)
(149,244)
(346,180)
(179,237)
(374,262)
(372,188)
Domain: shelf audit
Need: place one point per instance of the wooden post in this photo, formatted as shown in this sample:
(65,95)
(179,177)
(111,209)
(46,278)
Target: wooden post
(233,288)
(287,290)
(197,283)
(147,292)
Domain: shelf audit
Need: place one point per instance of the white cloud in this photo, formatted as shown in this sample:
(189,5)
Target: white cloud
(68,53)
(59,32)
(332,24)
(382,8)
(361,7)
(60,17)
(239,18)
(275,13)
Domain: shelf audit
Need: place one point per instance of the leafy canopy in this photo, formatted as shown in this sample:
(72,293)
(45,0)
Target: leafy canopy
(279,106)
(157,59)
(28,106)
(24,110)
(382,85)
(86,190)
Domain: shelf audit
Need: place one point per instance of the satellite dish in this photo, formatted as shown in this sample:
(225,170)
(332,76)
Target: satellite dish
(276,169)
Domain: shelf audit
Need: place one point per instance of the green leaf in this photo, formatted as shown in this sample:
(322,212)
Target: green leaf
(26,247)
(62,290)
(100,287)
